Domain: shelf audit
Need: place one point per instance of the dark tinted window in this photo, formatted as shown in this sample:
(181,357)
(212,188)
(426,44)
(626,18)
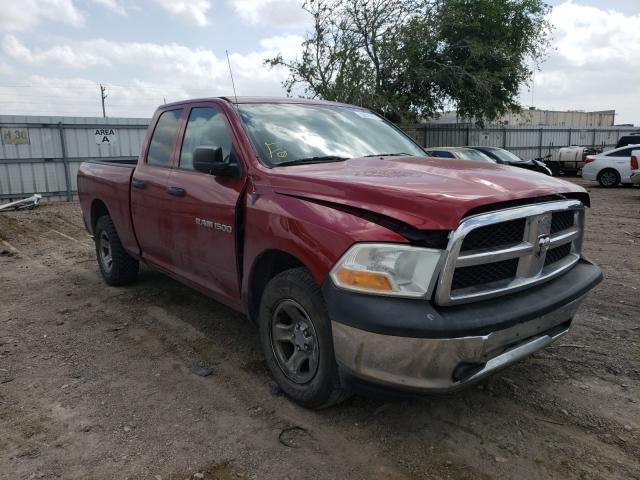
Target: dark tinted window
(206,128)
(442,154)
(629,140)
(621,153)
(163,138)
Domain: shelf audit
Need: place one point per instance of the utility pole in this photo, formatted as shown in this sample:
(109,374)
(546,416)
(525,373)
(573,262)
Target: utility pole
(103,95)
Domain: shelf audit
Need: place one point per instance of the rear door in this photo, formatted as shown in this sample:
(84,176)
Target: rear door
(202,209)
(149,199)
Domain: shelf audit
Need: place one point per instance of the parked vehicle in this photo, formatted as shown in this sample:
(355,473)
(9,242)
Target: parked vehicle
(632,139)
(505,157)
(609,168)
(571,159)
(462,153)
(364,264)
(635,169)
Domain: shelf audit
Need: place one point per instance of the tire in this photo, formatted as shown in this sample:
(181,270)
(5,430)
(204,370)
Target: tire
(609,178)
(295,330)
(116,265)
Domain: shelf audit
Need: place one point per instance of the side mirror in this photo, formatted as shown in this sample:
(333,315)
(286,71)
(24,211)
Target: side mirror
(209,160)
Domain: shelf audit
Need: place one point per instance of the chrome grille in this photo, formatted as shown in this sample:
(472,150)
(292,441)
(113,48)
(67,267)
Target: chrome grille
(465,277)
(556,254)
(562,220)
(504,233)
(501,252)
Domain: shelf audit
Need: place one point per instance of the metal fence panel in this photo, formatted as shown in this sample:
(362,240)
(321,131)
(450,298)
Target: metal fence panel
(43,154)
(527,141)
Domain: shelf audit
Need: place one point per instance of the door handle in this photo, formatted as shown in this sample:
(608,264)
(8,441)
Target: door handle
(176,191)
(135,183)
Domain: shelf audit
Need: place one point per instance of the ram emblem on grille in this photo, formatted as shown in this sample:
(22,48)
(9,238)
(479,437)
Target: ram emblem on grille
(544,241)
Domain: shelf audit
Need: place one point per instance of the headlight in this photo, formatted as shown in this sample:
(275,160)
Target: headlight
(388,269)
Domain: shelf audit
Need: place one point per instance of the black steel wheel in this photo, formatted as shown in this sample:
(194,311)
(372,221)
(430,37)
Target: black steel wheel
(295,332)
(294,341)
(116,265)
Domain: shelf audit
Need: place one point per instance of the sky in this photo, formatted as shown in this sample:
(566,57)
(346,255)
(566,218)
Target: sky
(54,54)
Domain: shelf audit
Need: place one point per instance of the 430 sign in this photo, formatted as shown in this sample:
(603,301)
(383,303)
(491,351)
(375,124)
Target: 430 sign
(15,136)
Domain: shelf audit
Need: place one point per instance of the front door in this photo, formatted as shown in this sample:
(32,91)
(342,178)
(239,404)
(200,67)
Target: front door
(202,209)
(149,197)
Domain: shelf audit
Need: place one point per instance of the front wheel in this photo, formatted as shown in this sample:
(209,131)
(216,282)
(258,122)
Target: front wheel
(609,178)
(116,265)
(295,332)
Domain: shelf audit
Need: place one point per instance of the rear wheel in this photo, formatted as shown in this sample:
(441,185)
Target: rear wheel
(609,178)
(295,332)
(116,265)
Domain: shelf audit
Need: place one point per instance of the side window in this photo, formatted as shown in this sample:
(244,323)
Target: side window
(163,138)
(206,127)
(444,154)
(621,153)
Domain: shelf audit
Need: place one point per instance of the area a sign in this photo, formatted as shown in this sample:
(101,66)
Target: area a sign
(105,136)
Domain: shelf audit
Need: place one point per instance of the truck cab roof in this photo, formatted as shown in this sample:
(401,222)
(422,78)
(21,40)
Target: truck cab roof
(248,99)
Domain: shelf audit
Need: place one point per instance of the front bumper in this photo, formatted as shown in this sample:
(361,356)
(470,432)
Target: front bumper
(419,349)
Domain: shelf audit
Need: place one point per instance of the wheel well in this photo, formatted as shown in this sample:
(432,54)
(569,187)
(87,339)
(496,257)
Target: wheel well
(98,209)
(265,267)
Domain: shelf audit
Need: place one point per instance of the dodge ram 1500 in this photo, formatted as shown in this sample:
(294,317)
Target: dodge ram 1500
(365,264)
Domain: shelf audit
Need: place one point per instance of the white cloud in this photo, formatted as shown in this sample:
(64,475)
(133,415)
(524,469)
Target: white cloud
(90,53)
(588,34)
(274,13)
(185,73)
(6,69)
(192,11)
(57,55)
(113,5)
(24,15)
(591,66)
(288,45)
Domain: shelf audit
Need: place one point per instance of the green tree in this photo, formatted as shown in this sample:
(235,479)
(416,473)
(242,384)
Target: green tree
(409,58)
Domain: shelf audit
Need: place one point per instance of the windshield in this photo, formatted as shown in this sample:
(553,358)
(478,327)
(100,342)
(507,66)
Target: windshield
(506,155)
(297,133)
(474,155)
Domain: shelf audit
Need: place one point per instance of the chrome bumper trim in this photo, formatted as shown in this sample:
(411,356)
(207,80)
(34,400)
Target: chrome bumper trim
(428,364)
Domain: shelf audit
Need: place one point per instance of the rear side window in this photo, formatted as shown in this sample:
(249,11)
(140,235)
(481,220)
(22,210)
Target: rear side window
(163,139)
(442,154)
(621,153)
(206,128)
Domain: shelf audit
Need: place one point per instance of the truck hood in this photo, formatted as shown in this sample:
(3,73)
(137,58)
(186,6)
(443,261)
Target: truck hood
(426,193)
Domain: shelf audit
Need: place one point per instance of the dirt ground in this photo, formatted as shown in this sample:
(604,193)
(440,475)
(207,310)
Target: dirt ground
(97,382)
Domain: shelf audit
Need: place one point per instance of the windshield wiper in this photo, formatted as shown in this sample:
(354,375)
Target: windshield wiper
(322,159)
(399,154)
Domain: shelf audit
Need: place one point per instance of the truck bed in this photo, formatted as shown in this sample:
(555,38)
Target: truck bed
(107,185)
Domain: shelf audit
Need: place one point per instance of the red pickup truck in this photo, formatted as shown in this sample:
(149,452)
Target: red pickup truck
(366,264)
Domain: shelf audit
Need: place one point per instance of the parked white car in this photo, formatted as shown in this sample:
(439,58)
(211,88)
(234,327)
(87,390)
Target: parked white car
(635,169)
(609,168)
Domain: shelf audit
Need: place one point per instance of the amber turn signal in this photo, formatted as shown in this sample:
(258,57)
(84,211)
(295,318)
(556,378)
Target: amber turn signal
(364,280)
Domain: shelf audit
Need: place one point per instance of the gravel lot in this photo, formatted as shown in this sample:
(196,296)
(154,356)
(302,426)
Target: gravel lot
(97,382)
